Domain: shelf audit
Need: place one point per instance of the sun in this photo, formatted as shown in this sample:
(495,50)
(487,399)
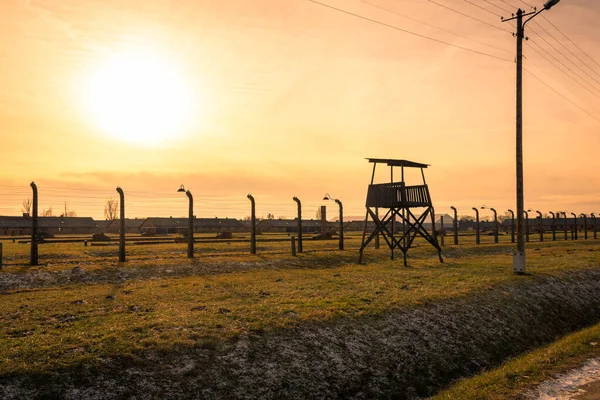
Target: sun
(139,97)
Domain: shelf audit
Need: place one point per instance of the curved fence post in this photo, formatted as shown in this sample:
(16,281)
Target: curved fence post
(252,224)
(190,250)
(477,238)
(297,200)
(122,225)
(34,227)
(341,243)
(455,224)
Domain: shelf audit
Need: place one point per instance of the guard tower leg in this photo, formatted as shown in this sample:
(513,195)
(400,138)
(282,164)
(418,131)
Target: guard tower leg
(360,252)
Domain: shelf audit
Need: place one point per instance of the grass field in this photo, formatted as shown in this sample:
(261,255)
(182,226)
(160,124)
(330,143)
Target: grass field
(82,306)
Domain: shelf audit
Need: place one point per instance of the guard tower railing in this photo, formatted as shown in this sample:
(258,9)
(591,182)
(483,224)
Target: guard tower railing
(397,194)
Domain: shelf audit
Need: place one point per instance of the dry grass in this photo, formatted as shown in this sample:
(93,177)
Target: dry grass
(161,301)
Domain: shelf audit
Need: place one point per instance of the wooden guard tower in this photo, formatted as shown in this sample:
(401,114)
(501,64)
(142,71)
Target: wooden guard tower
(400,224)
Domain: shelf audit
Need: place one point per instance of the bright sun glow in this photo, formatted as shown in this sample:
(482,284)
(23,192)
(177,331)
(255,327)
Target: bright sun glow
(140,97)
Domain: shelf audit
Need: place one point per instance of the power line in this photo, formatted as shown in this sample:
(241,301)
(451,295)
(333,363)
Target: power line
(561,63)
(527,4)
(433,26)
(497,6)
(409,32)
(575,80)
(468,16)
(575,44)
(512,5)
(561,53)
(481,7)
(556,82)
(508,4)
(562,95)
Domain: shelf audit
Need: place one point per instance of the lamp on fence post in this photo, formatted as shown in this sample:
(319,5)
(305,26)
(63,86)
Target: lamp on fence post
(339,203)
(585,236)
(477,241)
(190,250)
(574,229)
(553,225)
(122,225)
(594,223)
(34,226)
(297,200)
(495,222)
(564,213)
(455,224)
(512,226)
(526,226)
(252,224)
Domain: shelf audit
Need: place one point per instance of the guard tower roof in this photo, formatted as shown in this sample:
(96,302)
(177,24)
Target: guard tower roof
(398,163)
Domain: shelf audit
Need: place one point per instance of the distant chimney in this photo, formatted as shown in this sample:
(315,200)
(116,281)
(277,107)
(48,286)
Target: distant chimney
(323,219)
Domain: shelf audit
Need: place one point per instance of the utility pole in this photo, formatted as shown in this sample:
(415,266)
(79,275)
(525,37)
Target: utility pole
(519,256)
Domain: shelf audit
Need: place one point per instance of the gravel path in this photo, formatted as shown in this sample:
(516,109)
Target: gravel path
(580,384)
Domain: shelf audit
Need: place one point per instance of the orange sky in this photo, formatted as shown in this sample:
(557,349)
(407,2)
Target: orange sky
(289,97)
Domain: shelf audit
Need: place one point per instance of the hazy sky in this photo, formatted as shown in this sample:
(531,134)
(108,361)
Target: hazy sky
(283,98)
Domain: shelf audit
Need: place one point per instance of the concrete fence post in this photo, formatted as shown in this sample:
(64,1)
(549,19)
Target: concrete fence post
(122,225)
(477,238)
(442,233)
(34,227)
(455,224)
(297,200)
(252,224)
